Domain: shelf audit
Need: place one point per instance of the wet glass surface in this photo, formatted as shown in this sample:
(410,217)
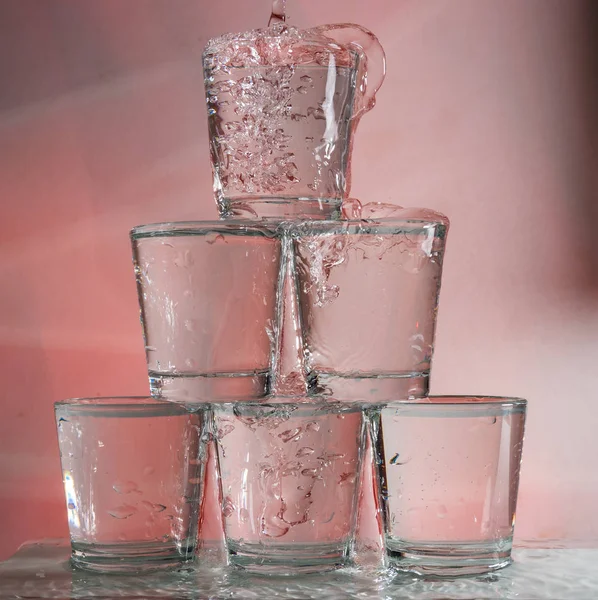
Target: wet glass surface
(41,570)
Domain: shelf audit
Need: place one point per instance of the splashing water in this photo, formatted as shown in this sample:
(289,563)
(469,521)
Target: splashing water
(281,106)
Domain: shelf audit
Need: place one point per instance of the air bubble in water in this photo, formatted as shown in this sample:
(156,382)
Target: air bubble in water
(228,508)
(305,451)
(347,478)
(123,512)
(224,429)
(310,472)
(274,527)
(291,435)
(125,487)
(215,237)
(153,507)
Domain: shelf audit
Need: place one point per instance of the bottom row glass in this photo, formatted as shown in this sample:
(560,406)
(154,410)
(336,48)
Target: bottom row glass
(448,472)
(290,481)
(132,474)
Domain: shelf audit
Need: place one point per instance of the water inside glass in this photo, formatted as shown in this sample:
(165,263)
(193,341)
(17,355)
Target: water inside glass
(282,106)
(449,469)
(290,475)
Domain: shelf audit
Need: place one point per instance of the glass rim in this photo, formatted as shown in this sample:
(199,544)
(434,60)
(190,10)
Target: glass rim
(312,404)
(462,400)
(122,405)
(357,226)
(238,227)
(296,35)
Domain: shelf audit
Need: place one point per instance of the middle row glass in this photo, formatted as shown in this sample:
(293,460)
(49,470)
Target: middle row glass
(365,294)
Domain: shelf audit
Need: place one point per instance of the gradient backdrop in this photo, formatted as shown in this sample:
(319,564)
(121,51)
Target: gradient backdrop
(486,115)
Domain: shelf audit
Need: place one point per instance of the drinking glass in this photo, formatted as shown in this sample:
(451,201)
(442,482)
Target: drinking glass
(449,473)
(289,475)
(368,297)
(132,473)
(283,104)
(207,292)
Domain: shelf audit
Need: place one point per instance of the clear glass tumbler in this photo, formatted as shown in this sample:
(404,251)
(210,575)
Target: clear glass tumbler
(132,473)
(449,474)
(368,296)
(282,107)
(289,475)
(207,292)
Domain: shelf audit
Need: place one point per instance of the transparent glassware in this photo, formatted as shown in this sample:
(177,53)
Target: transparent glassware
(449,475)
(290,480)
(207,293)
(368,297)
(132,472)
(283,104)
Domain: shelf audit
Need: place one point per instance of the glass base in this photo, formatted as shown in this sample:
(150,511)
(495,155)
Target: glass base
(288,559)
(449,559)
(129,557)
(281,208)
(370,388)
(190,388)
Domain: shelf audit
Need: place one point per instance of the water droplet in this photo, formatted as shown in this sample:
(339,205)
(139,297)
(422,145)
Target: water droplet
(215,238)
(347,478)
(310,472)
(326,294)
(304,451)
(274,527)
(330,456)
(380,210)
(125,487)
(122,512)
(317,113)
(225,429)
(184,259)
(153,506)
(396,461)
(351,208)
(291,435)
(228,508)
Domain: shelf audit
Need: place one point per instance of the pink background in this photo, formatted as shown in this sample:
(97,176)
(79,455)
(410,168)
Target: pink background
(485,116)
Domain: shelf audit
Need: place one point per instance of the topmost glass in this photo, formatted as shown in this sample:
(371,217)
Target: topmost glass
(283,104)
